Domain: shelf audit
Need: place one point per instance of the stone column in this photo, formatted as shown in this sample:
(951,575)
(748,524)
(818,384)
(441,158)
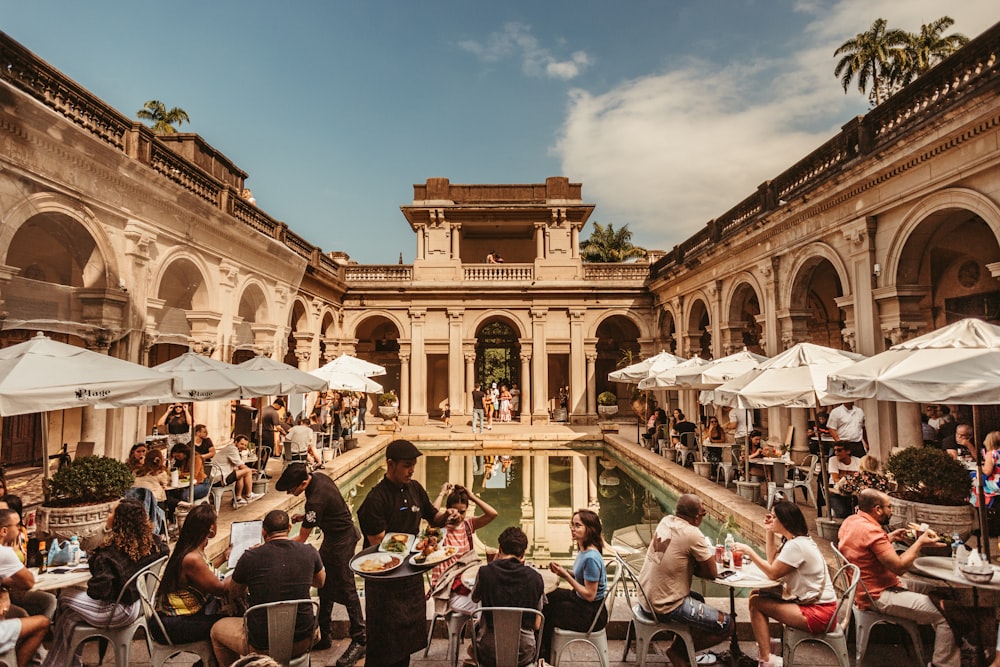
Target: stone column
(526,386)
(577,366)
(591,386)
(574,241)
(539,380)
(303,348)
(404,382)
(539,240)
(456,245)
(579,482)
(542,548)
(418,371)
(527,507)
(593,472)
(456,378)
(419,228)
(470,381)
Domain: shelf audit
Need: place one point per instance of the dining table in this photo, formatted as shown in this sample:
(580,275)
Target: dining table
(60,576)
(748,576)
(943,569)
(549,578)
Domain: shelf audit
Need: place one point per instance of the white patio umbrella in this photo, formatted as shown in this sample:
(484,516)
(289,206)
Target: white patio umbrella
(719,371)
(291,379)
(664,376)
(347,364)
(640,371)
(344,381)
(796,378)
(41,375)
(959,363)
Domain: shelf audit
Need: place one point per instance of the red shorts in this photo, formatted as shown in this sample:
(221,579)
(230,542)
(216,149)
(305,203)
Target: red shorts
(818,615)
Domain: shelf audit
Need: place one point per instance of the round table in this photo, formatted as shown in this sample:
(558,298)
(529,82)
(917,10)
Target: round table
(943,569)
(549,578)
(748,576)
(60,576)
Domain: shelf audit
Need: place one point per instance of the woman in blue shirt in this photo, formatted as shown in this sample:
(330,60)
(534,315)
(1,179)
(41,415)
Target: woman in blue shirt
(575,609)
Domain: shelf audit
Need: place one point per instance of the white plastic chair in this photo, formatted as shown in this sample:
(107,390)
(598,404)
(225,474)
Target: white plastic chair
(216,491)
(160,653)
(120,637)
(506,633)
(845,582)
(562,638)
(644,624)
(866,619)
(9,659)
(281,629)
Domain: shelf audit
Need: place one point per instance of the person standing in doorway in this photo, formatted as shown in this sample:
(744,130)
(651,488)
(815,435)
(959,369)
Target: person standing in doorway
(478,410)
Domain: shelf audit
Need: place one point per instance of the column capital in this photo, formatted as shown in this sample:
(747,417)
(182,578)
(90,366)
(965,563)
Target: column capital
(229,271)
(418,314)
(591,357)
(577,314)
(456,313)
(404,358)
(470,358)
(526,358)
(538,312)
(140,237)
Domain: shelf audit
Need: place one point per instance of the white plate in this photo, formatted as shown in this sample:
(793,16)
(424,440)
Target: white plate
(422,535)
(378,563)
(435,557)
(407,546)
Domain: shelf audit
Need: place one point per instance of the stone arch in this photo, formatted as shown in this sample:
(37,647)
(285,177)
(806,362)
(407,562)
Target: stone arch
(298,349)
(327,335)
(252,333)
(617,345)
(804,260)
(182,282)
(521,327)
(378,334)
(667,329)
(57,209)
(697,330)
(498,349)
(364,321)
(743,325)
(641,325)
(818,279)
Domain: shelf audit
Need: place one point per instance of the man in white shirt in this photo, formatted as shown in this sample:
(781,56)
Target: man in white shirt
(234,471)
(300,440)
(842,464)
(24,633)
(849,423)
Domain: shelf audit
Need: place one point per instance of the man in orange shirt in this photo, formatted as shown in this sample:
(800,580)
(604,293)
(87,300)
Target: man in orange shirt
(864,542)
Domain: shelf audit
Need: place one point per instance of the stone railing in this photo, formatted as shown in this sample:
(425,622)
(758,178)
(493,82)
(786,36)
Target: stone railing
(185,174)
(971,70)
(615,271)
(380,273)
(498,272)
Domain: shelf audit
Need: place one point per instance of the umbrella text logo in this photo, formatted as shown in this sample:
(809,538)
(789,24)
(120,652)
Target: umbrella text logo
(92,394)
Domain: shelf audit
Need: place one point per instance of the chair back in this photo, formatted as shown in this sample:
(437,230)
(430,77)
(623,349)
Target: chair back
(845,582)
(614,568)
(809,465)
(634,595)
(842,561)
(148,584)
(281,618)
(690,440)
(506,623)
(153,567)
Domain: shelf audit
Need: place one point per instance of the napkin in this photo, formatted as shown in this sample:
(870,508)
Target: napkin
(974,559)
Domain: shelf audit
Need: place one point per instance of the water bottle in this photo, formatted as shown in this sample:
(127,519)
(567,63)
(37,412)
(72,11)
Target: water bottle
(74,550)
(956,542)
(727,554)
(43,564)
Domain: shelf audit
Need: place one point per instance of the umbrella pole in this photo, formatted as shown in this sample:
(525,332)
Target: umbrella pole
(46,473)
(823,475)
(191,454)
(984,532)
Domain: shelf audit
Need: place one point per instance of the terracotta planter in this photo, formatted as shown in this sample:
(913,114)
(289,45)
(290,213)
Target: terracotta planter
(85,522)
(944,519)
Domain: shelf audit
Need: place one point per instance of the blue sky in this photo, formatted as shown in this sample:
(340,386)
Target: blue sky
(668,112)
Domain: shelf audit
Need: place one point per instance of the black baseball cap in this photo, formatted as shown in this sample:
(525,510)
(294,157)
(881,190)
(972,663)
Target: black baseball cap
(401,450)
(294,475)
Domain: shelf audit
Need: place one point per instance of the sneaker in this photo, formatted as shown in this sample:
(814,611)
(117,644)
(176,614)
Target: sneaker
(323,644)
(353,653)
(254,496)
(775,661)
(239,502)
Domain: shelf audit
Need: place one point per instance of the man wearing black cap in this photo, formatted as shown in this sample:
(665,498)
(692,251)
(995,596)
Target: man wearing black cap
(325,507)
(397,616)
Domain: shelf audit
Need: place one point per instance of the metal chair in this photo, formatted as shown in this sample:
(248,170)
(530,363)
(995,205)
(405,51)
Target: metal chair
(806,480)
(645,625)
(9,659)
(217,489)
(866,619)
(281,629)
(160,653)
(562,638)
(119,637)
(688,452)
(456,622)
(846,583)
(506,633)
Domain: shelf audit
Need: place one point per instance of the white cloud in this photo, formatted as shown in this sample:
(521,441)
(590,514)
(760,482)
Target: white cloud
(667,152)
(515,40)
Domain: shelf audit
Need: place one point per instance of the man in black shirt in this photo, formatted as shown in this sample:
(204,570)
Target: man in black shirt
(325,508)
(478,411)
(397,609)
(280,569)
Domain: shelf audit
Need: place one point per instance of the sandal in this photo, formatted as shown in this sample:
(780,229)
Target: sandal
(706,659)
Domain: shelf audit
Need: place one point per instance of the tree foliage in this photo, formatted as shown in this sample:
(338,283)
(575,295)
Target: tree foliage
(89,479)
(606,245)
(162,119)
(886,59)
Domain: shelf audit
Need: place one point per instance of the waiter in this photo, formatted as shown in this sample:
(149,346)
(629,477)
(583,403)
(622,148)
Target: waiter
(325,508)
(397,618)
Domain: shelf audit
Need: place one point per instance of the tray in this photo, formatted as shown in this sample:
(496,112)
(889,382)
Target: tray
(390,537)
(359,563)
(435,557)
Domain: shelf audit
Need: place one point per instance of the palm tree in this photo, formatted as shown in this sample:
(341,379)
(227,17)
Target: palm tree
(163,120)
(930,46)
(877,55)
(606,245)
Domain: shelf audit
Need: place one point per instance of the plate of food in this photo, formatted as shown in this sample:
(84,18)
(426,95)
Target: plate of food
(397,543)
(913,531)
(429,539)
(376,563)
(434,557)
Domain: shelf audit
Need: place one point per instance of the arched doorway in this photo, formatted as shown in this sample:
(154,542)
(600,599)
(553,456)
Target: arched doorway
(498,354)
(816,317)
(617,347)
(744,328)
(378,342)
(699,335)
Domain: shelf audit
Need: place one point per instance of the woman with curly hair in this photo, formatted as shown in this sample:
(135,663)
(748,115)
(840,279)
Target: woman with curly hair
(129,546)
(185,597)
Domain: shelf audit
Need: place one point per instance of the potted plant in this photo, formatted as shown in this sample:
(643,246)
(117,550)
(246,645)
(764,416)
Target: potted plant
(932,488)
(607,403)
(80,496)
(387,405)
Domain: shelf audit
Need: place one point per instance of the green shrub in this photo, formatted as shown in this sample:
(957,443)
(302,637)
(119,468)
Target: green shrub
(387,399)
(607,398)
(929,475)
(89,479)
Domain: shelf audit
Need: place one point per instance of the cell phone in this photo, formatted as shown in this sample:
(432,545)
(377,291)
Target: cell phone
(727,574)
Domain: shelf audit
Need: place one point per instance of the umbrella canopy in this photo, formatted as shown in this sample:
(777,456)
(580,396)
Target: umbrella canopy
(640,371)
(42,374)
(796,378)
(720,371)
(661,377)
(345,363)
(291,379)
(200,378)
(344,381)
(959,363)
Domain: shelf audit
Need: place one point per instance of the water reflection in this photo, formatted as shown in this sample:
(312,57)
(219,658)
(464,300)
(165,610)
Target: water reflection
(539,492)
